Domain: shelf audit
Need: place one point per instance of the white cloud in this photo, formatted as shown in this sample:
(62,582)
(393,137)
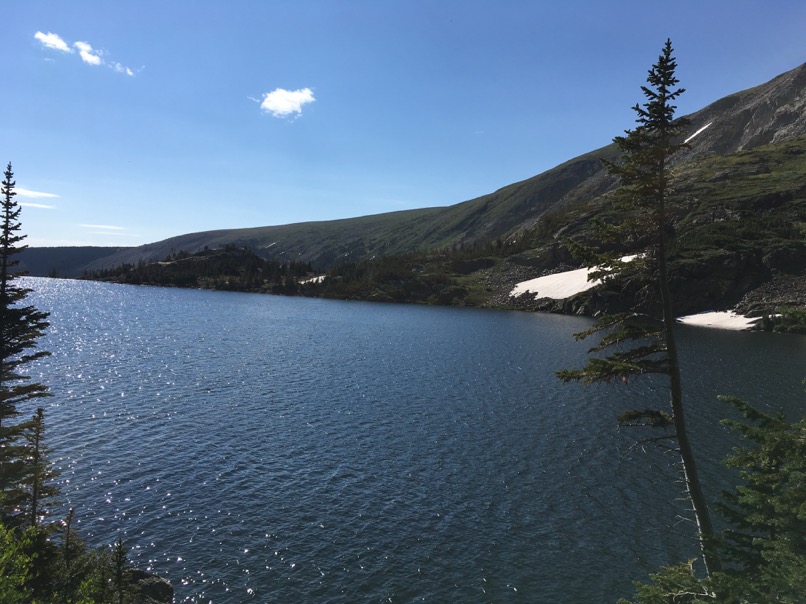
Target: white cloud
(121,69)
(44,206)
(283,103)
(33,194)
(99,229)
(105,227)
(85,50)
(21,192)
(53,41)
(88,55)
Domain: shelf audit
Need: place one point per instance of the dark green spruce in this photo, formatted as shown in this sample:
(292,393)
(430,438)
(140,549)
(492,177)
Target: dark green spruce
(20,326)
(764,546)
(640,339)
(39,476)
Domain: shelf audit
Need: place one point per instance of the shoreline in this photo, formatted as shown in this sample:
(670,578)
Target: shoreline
(560,286)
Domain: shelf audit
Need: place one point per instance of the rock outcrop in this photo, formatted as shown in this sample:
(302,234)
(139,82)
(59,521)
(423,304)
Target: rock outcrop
(151,589)
(770,113)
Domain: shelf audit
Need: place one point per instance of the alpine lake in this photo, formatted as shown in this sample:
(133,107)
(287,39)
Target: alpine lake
(269,449)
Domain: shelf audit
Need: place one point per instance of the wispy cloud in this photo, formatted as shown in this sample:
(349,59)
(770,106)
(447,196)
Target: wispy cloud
(104,227)
(33,194)
(285,103)
(88,54)
(27,193)
(121,69)
(28,204)
(53,41)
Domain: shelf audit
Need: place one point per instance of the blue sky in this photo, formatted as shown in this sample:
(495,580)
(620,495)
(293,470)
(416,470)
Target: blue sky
(130,122)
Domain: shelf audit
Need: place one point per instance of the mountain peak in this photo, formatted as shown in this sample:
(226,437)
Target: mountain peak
(770,113)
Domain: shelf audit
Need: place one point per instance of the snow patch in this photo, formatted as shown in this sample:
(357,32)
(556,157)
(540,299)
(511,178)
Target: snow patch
(560,286)
(557,286)
(700,131)
(721,320)
(317,279)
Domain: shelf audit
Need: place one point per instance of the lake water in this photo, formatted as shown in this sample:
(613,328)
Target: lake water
(269,449)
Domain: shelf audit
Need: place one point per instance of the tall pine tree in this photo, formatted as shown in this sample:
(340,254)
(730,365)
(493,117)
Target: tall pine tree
(20,326)
(641,339)
(39,475)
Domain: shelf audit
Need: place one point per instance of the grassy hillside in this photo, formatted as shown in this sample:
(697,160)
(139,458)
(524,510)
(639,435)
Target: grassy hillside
(739,223)
(329,243)
(739,237)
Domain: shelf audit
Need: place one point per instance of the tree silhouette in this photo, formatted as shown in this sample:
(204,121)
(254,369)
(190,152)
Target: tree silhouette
(641,339)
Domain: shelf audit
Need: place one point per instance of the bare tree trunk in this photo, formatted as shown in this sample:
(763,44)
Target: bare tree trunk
(705,529)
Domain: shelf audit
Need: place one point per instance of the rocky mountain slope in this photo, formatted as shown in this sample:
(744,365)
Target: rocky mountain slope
(770,113)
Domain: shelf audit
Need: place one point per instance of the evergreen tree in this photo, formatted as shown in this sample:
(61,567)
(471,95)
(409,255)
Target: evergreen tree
(675,585)
(648,323)
(38,475)
(20,326)
(765,545)
(15,565)
(122,584)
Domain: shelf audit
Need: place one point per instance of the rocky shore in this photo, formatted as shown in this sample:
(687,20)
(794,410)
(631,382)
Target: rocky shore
(788,291)
(151,589)
(782,290)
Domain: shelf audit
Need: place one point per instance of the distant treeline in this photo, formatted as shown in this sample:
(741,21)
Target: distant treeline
(448,276)
(228,268)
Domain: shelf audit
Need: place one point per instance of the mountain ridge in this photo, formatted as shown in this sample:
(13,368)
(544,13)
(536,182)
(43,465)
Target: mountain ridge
(768,114)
